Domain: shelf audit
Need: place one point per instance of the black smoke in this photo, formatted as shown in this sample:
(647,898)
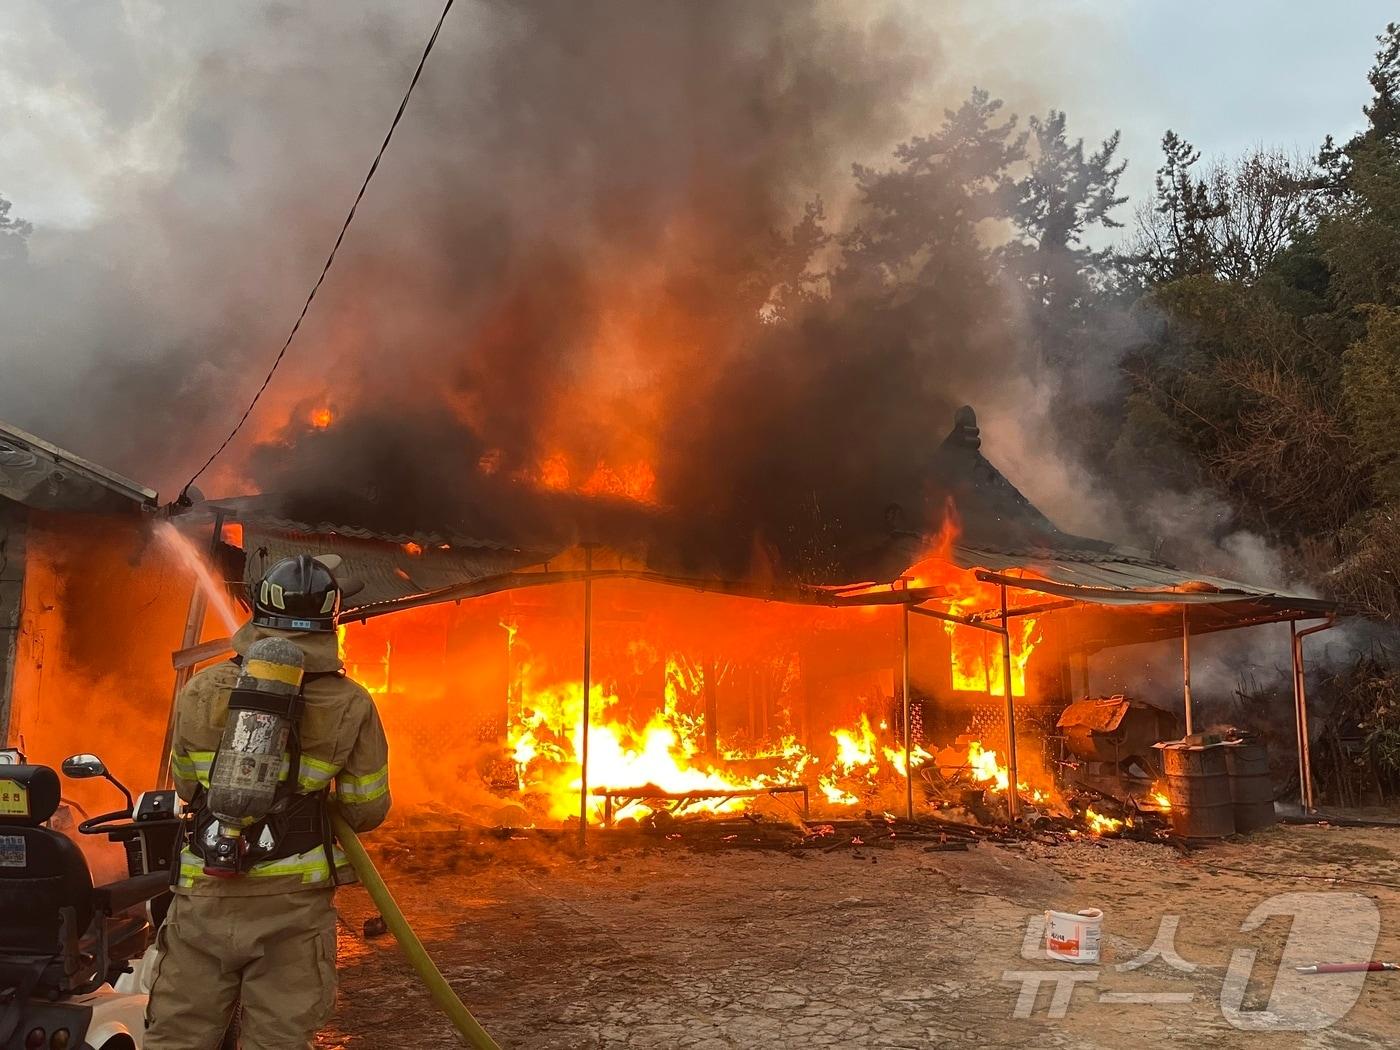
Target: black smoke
(587,236)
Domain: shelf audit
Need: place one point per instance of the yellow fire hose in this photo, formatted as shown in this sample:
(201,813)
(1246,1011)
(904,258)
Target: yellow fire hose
(467,1027)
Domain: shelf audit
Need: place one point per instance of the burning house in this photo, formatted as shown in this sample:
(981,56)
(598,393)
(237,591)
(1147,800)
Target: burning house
(937,663)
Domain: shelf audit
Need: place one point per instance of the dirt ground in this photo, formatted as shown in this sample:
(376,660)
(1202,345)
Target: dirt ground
(898,947)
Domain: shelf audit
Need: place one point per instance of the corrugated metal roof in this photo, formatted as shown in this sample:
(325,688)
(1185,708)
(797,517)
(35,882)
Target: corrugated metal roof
(1119,578)
(39,474)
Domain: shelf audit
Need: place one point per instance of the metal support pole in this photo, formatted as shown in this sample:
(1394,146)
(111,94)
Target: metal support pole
(1300,687)
(1305,737)
(1186,663)
(587,686)
(908,721)
(1013,799)
(1299,718)
(194,627)
(1309,803)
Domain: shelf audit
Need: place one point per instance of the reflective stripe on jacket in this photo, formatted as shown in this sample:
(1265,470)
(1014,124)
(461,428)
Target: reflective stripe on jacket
(343,750)
(309,869)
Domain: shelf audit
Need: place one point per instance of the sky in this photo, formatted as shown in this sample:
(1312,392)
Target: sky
(87,90)
(1227,76)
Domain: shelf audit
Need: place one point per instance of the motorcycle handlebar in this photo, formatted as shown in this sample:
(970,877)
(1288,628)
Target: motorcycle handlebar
(97,825)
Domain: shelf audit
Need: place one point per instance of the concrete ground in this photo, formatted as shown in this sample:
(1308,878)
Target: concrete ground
(894,947)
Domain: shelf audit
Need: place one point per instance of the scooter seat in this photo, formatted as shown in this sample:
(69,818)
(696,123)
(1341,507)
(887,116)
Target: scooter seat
(42,871)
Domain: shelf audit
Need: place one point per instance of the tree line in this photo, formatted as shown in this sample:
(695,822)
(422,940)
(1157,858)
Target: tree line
(1239,333)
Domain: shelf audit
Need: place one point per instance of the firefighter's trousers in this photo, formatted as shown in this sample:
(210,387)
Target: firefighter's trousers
(275,954)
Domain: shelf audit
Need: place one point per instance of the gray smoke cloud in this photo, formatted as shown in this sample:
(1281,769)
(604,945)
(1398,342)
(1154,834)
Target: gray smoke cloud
(568,246)
(570,255)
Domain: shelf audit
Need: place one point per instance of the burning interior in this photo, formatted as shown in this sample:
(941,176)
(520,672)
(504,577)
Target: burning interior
(941,667)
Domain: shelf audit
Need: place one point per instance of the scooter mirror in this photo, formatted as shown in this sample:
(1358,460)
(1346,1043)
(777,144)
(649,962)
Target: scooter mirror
(83,767)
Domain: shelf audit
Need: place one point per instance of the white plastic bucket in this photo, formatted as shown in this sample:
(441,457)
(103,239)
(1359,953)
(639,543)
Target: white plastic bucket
(1073,936)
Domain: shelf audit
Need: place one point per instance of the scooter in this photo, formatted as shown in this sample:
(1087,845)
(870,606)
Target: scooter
(75,959)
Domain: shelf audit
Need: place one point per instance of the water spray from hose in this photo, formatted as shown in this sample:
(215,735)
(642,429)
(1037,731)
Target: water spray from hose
(179,544)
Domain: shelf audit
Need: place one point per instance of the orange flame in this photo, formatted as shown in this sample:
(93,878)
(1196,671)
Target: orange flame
(557,473)
(321,418)
(649,704)
(985,768)
(1102,825)
(665,753)
(977,662)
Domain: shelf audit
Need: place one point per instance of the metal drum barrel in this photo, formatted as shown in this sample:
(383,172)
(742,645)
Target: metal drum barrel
(1198,788)
(1251,786)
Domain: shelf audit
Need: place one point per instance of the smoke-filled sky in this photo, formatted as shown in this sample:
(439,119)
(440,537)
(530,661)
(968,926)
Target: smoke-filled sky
(94,93)
(557,258)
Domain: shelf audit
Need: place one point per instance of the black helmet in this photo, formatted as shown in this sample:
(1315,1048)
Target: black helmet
(298,594)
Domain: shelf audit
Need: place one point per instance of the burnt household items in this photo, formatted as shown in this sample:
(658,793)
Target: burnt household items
(1110,743)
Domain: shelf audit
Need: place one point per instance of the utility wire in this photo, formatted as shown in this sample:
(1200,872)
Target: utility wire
(345,226)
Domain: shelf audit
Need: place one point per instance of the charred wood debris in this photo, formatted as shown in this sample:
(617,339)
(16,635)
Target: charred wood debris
(453,843)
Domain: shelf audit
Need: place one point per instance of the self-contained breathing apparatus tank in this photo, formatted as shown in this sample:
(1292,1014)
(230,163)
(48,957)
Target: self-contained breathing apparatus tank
(263,709)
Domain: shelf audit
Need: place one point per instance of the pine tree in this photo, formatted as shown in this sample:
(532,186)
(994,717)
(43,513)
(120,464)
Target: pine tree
(14,232)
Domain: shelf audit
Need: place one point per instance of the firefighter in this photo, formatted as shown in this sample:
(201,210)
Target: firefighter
(263,935)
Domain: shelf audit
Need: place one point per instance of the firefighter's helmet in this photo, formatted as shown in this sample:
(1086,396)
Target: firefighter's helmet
(299,594)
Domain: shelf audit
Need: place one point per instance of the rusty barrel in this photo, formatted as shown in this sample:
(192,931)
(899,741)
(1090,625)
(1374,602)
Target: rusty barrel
(1251,786)
(1198,788)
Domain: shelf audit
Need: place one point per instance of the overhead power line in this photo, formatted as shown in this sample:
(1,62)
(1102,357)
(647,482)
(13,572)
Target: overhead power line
(345,226)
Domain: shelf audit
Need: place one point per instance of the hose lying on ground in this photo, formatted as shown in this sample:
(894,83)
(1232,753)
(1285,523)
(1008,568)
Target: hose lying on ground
(471,1032)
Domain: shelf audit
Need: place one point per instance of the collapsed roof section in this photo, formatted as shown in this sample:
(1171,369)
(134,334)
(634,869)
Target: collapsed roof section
(43,476)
